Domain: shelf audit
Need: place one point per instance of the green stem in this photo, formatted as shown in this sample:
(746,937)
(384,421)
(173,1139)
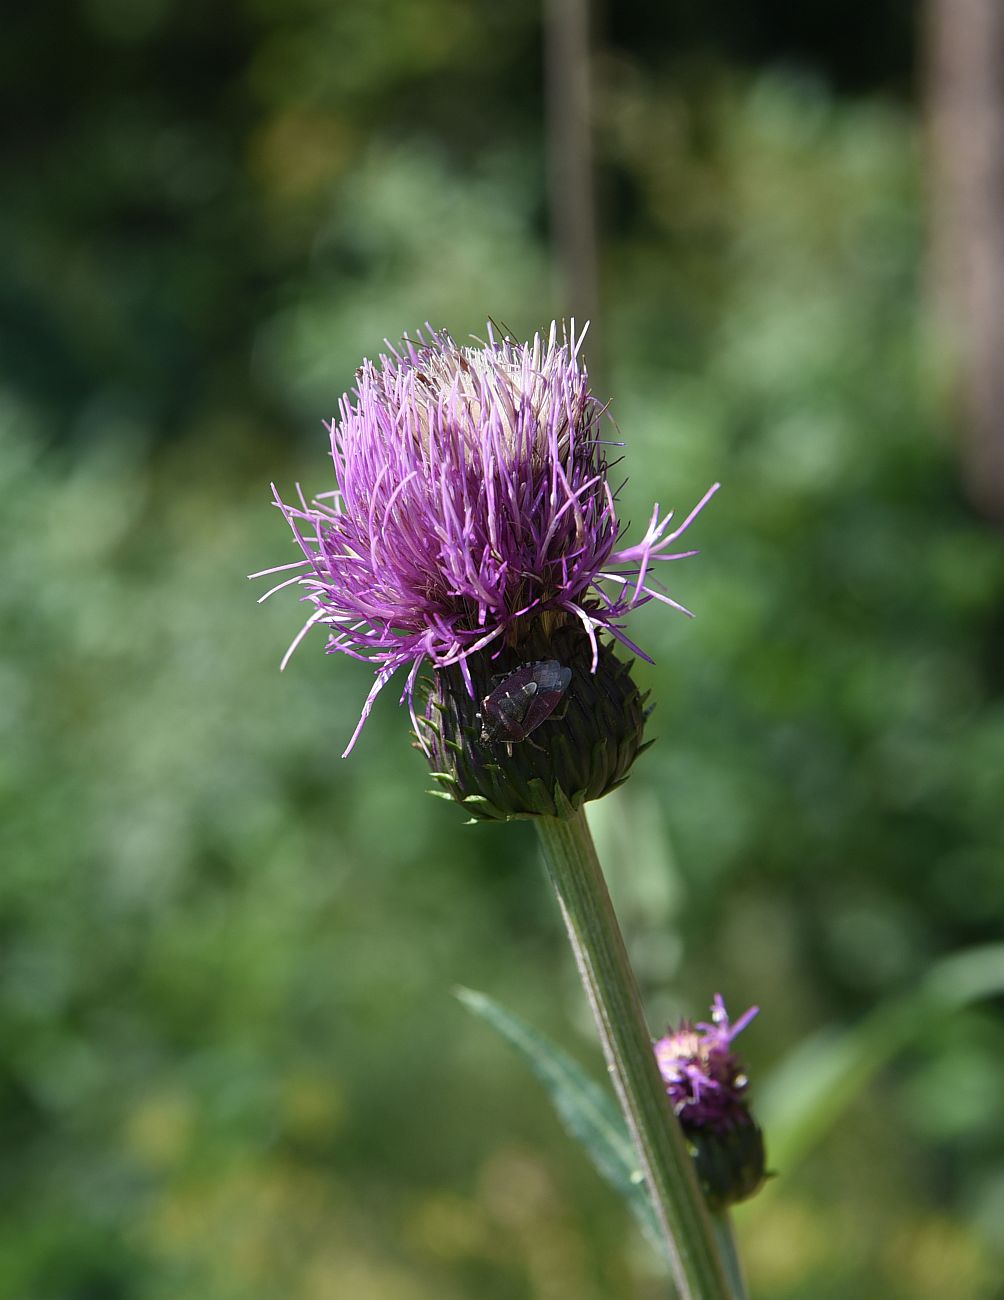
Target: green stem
(726,1239)
(596,940)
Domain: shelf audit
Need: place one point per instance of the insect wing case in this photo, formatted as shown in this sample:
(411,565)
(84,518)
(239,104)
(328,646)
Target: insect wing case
(522,700)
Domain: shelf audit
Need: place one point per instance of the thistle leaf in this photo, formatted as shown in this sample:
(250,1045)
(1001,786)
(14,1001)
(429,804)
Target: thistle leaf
(587,1111)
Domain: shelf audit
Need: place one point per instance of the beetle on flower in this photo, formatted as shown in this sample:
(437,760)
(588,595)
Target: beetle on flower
(522,701)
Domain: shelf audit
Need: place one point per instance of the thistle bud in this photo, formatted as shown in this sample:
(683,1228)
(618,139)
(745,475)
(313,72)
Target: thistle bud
(707,1088)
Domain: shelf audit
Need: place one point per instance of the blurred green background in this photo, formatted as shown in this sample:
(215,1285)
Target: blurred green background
(233,1067)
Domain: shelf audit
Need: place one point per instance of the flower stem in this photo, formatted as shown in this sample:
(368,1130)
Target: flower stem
(596,940)
(726,1238)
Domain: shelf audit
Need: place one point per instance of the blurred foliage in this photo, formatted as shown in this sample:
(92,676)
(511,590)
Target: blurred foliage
(232,1065)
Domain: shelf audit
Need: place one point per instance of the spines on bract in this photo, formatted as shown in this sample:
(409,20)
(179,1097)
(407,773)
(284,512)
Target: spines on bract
(580,752)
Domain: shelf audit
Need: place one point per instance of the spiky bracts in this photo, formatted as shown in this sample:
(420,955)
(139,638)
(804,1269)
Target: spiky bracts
(584,749)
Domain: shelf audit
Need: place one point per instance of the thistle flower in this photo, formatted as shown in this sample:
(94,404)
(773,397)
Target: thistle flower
(473,529)
(472,516)
(707,1087)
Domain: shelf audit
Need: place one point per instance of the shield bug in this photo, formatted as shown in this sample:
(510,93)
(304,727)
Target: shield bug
(522,700)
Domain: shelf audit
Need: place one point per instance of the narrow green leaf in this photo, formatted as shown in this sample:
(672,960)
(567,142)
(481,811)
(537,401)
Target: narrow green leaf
(588,1112)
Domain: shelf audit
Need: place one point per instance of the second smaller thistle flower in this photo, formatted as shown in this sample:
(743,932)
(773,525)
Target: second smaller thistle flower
(707,1088)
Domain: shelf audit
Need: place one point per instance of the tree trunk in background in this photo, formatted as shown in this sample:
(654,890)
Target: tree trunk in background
(568,73)
(965,108)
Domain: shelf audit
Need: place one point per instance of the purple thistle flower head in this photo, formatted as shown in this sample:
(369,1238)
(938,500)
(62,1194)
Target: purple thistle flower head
(471,504)
(704,1079)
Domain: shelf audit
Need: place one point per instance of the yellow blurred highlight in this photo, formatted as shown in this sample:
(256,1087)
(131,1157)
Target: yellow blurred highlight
(159,1131)
(532,1222)
(312,1106)
(449,1227)
(298,153)
(274,1228)
(934,1257)
(785,1246)
(345,1276)
(252,1224)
